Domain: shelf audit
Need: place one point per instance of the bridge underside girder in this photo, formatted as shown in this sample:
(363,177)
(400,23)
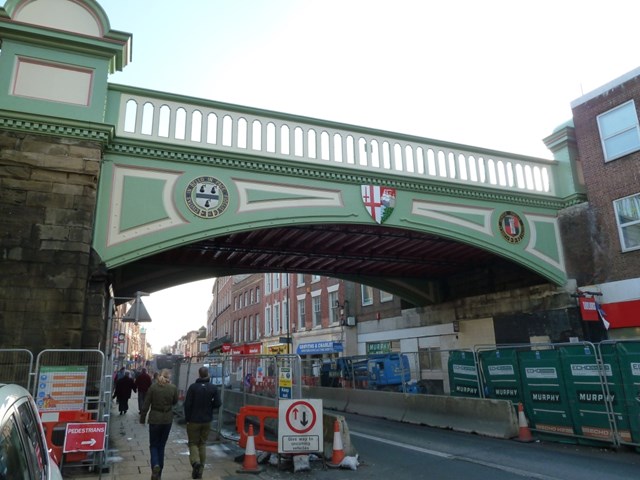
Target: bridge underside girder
(420,268)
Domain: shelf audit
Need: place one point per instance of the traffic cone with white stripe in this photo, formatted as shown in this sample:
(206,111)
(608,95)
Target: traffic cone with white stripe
(338,450)
(250,461)
(524,434)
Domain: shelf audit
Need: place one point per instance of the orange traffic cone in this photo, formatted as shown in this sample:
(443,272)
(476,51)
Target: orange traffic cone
(524,434)
(338,451)
(250,462)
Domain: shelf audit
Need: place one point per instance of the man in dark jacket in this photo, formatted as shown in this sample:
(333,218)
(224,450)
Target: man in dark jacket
(143,382)
(201,399)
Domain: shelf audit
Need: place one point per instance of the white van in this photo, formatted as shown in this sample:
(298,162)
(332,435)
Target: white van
(23,446)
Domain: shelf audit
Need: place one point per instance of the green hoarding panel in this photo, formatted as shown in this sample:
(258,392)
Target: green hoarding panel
(501,374)
(463,374)
(546,402)
(595,393)
(629,357)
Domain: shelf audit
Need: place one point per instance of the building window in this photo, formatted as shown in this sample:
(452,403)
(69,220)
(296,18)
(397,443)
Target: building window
(367,295)
(276,319)
(267,283)
(285,280)
(619,131)
(300,280)
(628,220)
(301,317)
(267,321)
(276,282)
(252,334)
(285,313)
(257,325)
(334,313)
(251,296)
(317,311)
(385,297)
(246,298)
(315,278)
(257,294)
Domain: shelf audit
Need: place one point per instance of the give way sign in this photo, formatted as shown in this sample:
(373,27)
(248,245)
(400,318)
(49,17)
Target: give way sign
(300,426)
(84,437)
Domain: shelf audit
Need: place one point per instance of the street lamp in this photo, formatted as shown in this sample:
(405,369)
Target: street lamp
(288,315)
(137,313)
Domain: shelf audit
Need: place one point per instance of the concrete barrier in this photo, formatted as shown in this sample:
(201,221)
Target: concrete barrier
(332,398)
(389,405)
(493,418)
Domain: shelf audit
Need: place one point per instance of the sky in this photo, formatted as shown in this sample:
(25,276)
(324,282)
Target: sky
(497,74)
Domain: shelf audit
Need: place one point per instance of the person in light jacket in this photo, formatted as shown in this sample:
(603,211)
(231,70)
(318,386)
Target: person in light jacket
(201,400)
(158,403)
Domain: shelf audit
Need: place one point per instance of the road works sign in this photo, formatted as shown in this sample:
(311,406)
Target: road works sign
(84,437)
(300,426)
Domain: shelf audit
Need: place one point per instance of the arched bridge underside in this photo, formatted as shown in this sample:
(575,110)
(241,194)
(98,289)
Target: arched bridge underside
(191,189)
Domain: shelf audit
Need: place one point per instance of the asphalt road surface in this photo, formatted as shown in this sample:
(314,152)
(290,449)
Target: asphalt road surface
(396,451)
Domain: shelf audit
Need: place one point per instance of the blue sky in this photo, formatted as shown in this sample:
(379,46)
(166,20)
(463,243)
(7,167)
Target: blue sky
(496,74)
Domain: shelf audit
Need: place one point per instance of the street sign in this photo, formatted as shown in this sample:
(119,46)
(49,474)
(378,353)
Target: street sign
(300,426)
(285,382)
(84,437)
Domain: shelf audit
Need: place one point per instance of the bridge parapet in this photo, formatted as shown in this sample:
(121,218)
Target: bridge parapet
(152,116)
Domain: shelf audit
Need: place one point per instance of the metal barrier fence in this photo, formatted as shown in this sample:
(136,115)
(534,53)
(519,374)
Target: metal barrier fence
(571,392)
(408,372)
(71,386)
(16,366)
(243,380)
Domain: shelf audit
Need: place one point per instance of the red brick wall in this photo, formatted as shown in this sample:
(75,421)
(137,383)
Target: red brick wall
(606,182)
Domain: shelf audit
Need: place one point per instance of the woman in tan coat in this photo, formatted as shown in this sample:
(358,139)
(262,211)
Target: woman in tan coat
(158,403)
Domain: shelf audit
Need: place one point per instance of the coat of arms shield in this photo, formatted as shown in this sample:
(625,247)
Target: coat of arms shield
(379,201)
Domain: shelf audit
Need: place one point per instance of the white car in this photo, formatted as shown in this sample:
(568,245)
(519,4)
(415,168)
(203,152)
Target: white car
(23,446)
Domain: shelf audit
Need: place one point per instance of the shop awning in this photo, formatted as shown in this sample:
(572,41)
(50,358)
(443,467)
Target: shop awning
(315,348)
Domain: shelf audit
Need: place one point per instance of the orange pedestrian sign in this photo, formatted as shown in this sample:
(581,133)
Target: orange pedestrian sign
(84,437)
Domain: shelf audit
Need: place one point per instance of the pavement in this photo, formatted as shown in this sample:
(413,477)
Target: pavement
(127,453)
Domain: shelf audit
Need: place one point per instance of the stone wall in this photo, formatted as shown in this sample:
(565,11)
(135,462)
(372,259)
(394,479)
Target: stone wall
(51,291)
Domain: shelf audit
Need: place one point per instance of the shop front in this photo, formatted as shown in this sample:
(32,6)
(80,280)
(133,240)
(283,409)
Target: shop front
(247,349)
(313,355)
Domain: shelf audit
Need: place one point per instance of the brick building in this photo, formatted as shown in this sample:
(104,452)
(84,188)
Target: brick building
(607,134)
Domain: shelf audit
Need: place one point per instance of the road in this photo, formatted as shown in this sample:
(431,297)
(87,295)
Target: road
(397,451)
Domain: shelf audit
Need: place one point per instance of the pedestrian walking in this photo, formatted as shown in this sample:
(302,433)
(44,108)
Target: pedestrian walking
(201,400)
(158,403)
(122,392)
(143,383)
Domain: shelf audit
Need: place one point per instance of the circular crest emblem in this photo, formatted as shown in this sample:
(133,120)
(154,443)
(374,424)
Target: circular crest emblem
(206,197)
(511,227)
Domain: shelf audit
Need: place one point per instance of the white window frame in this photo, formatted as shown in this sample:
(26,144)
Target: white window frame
(609,133)
(277,328)
(334,315)
(267,283)
(385,296)
(267,321)
(632,223)
(368,291)
(316,306)
(301,314)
